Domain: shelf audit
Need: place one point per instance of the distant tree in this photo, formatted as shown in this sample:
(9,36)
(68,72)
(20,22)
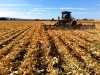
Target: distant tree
(14,18)
(11,18)
(52,19)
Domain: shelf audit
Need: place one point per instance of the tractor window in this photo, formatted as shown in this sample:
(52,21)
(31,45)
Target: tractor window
(65,15)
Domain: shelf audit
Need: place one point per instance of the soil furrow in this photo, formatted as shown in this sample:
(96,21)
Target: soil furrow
(7,41)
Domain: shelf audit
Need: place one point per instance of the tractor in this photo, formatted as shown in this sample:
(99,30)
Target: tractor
(67,21)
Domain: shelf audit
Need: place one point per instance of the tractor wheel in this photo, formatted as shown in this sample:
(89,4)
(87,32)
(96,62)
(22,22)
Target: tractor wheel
(74,23)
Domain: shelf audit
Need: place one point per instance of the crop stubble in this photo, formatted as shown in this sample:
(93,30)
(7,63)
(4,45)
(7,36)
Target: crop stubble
(26,48)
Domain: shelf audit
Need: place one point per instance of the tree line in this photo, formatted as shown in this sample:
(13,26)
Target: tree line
(4,18)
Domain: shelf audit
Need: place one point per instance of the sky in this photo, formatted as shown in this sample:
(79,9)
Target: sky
(48,9)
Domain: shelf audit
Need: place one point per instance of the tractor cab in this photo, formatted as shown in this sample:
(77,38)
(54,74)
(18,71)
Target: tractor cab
(66,15)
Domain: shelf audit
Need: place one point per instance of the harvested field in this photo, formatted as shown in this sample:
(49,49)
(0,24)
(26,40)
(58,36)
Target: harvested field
(27,49)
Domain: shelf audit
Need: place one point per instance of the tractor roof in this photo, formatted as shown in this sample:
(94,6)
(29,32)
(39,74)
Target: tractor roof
(64,12)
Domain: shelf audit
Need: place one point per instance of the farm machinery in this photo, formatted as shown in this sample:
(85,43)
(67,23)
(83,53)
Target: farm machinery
(68,22)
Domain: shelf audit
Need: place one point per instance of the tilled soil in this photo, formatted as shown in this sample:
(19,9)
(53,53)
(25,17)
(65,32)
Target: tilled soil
(26,48)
